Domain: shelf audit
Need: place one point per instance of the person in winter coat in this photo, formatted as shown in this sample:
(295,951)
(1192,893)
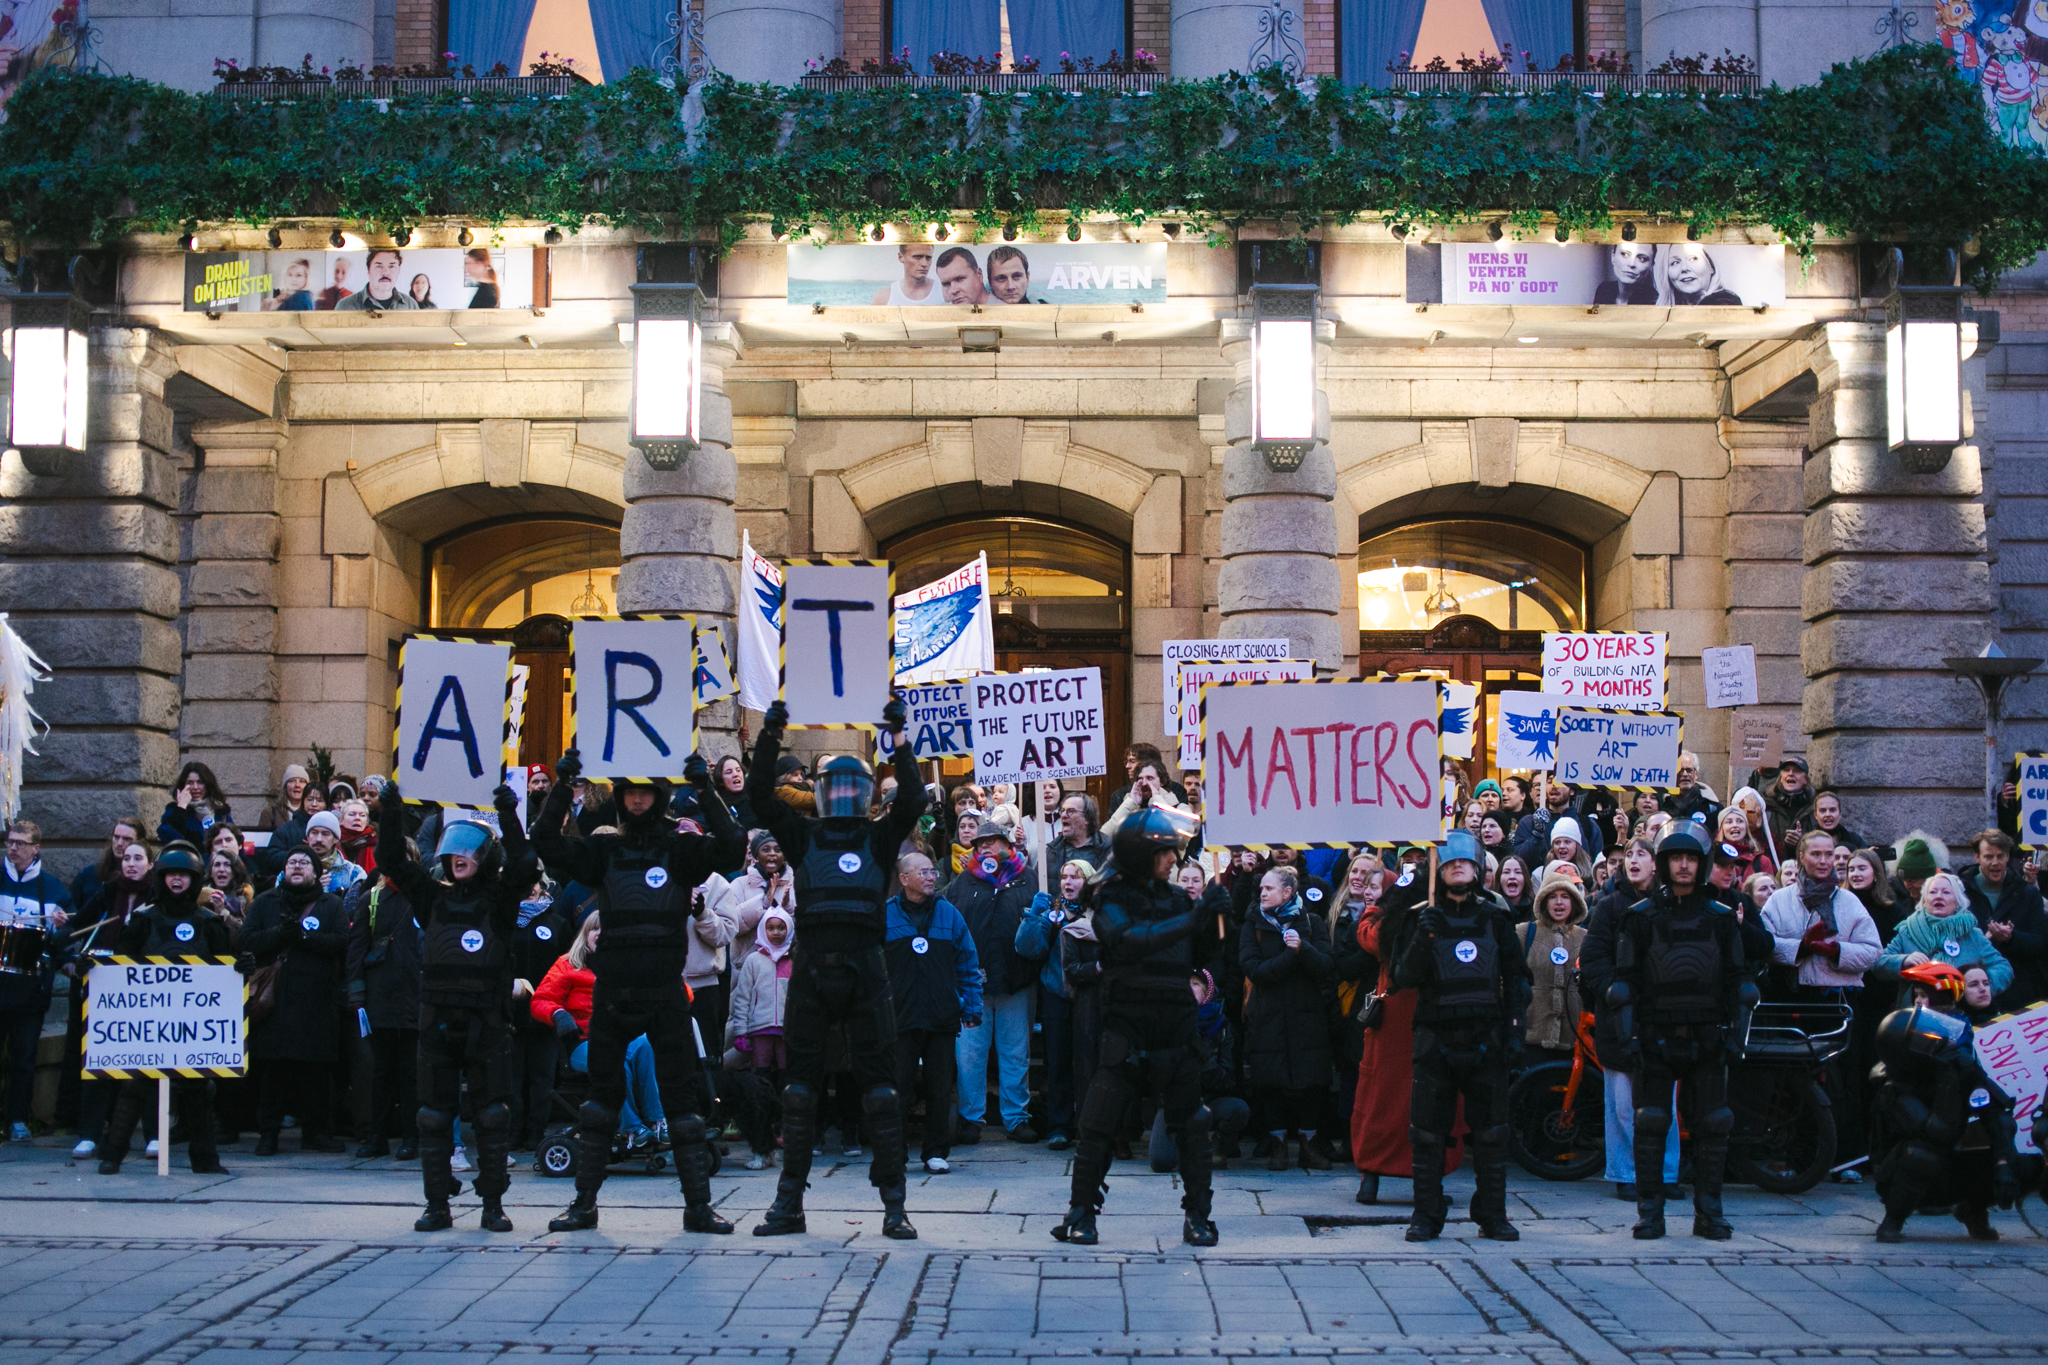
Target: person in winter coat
(1788,798)
(1915,858)
(173,923)
(729,781)
(543,933)
(1936,933)
(1511,882)
(935,981)
(358,835)
(766,882)
(1080,833)
(1353,972)
(1871,884)
(30,899)
(382,969)
(992,896)
(562,1001)
(1080,957)
(1038,940)
(305,930)
(1534,833)
(195,807)
(712,959)
(290,805)
(1735,830)
(1820,929)
(1827,814)
(753,1030)
(1550,944)
(1228,1114)
(2009,910)
(323,840)
(1285,952)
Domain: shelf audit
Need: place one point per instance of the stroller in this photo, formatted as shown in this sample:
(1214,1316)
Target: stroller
(556,1155)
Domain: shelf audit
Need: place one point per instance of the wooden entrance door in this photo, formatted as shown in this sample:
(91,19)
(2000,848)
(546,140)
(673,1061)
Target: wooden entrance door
(1021,645)
(1468,649)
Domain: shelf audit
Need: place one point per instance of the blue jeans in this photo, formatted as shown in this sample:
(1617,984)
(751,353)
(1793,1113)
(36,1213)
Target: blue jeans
(1005,1030)
(642,1108)
(1621,1131)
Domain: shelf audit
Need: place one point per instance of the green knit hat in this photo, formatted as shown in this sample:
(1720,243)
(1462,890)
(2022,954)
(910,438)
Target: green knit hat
(1916,861)
(1489,785)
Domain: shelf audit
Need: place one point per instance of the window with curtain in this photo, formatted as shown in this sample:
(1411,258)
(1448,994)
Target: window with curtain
(1373,33)
(1043,29)
(485,33)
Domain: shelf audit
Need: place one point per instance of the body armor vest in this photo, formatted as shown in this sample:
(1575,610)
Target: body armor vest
(839,883)
(1682,970)
(1466,983)
(200,936)
(638,904)
(463,955)
(1160,975)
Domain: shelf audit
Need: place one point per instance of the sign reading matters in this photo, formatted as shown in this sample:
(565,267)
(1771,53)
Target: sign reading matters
(1624,669)
(1033,727)
(159,1016)
(1619,749)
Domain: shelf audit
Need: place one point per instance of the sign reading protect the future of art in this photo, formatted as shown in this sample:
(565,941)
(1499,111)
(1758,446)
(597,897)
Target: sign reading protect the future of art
(1035,727)
(1667,275)
(938,719)
(986,275)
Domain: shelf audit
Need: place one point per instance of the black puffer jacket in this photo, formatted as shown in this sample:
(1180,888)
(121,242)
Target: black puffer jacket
(383,954)
(1294,990)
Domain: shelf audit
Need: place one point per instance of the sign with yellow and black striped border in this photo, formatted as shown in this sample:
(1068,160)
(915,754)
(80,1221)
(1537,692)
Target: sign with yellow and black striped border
(156,1017)
(838,642)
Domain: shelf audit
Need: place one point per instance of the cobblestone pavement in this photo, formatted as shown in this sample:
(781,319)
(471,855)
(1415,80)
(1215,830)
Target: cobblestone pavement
(296,1258)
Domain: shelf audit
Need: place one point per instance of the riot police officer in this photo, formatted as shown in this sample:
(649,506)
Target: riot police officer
(844,868)
(467,914)
(1462,960)
(1682,998)
(173,924)
(1145,929)
(645,876)
(1945,1130)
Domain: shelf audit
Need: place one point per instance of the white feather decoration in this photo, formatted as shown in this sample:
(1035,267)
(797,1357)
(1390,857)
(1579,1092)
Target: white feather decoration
(20,671)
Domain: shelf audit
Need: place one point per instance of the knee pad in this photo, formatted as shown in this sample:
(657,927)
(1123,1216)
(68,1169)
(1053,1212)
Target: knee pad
(1720,1123)
(597,1118)
(435,1122)
(688,1130)
(1653,1120)
(494,1119)
(1918,1163)
(1199,1123)
(1496,1136)
(799,1099)
(1422,1137)
(880,1100)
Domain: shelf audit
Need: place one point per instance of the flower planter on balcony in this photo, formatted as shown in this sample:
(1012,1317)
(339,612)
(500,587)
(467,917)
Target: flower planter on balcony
(384,87)
(1532,82)
(1135,83)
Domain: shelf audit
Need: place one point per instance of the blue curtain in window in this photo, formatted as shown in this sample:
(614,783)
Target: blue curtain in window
(1085,28)
(972,28)
(485,32)
(1375,33)
(626,32)
(1542,28)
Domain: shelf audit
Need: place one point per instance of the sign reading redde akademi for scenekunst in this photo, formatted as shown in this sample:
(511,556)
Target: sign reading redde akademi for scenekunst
(1621,670)
(1309,763)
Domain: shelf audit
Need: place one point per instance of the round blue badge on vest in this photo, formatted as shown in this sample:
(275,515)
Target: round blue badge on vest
(472,941)
(849,863)
(1980,1098)
(1467,951)
(657,877)
(1558,956)
(184,933)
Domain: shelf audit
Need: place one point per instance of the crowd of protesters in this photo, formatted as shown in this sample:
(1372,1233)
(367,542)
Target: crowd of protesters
(1308,1027)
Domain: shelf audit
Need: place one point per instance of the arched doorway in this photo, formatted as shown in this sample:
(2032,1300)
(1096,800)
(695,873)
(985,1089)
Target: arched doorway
(519,580)
(1469,599)
(1062,600)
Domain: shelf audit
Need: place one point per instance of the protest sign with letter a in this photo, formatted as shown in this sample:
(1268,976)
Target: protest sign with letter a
(633,711)
(1034,727)
(449,739)
(713,675)
(838,641)
(1317,764)
(938,720)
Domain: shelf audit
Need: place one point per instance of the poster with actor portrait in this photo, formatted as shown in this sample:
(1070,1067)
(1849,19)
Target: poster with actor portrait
(1656,274)
(383,279)
(983,275)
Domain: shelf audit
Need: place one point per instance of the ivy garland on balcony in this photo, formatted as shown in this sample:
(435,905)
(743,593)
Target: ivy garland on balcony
(1895,148)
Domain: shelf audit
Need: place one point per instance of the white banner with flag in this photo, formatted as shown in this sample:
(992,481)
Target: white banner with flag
(760,673)
(1460,714)
(713,677)
(943,629)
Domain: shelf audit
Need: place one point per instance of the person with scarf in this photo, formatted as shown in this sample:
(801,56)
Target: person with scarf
(1359,884)
(290,805)
(1511,882)
(196,805)
(765,884)
(753,1030)
(323,841)
(541,935)
(935,986)
(966,828)
(1937,932)
(1228,1114)
(2008,908)
(358,835)
(1038,940)
(1284,950)
(303,930)
(383,974)
(99,927)
(1824,939)
(174,923)
(33,900)
(1550,949)
(993,895)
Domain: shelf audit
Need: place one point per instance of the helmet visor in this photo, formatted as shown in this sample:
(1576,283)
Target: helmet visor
(465,837)
(1935,1034)
(844,794)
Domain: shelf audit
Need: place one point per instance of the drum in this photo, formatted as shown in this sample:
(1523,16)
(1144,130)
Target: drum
(21,950)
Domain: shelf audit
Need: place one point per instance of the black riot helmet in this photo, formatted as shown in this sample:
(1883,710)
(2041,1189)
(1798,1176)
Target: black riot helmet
(472,839)
(1684,839)
(845,786)
(1140,838)
(178,856)
(1911,1038)
(654,820)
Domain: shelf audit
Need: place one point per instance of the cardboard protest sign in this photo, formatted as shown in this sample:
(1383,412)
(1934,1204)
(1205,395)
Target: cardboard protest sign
(939,722)
(1730,675)
(1033,727)
(1526,736)
(633,712)
(1755,742)
(2033,785)
(1190,756)
(1317,764)
(1196,675)
(1460,718)
(838,641)
(712,675)
(944,630)
(1619,748)
(1624,669)
(454,697)
(2013,1050)
(1174,653)
(158,1017)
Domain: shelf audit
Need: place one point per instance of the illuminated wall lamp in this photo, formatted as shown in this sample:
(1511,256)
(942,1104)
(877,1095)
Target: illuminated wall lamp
(1284,373)
(1923,375)
(668,372)
(47,398)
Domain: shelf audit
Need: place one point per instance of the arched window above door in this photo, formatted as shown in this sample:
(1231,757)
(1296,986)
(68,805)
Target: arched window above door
(1513,576)
(496,575)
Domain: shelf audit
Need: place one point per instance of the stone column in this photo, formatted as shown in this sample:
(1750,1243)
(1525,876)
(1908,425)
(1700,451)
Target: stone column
(1761,549)
(231,693)
(1280,574)
(1895,580)
(90,581)
(679,542)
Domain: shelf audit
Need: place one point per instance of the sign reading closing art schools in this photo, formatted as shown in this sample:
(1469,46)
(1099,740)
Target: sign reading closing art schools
(1604,749)
(1174,653)
(938,722)
(2013,1050)
(838,650)
(1319,763)
(636,703)
(2033,788)
(451,720)
(1622,669)
(1033,727)
(145,1016)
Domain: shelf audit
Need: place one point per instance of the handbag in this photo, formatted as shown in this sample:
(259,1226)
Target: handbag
(263,989)
(1372,1009)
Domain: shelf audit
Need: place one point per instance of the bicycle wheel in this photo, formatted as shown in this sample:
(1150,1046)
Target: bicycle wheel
(1787,1143)
(1549,1141)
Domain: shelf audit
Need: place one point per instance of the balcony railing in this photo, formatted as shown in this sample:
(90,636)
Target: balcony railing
(1532,82)
(384,87)
(1135,83)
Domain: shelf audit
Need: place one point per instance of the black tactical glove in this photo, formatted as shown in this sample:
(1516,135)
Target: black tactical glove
(389,797)
(504,802)
(696,771)
(776,718)
(571,766)
(565,1027)
(893,714)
